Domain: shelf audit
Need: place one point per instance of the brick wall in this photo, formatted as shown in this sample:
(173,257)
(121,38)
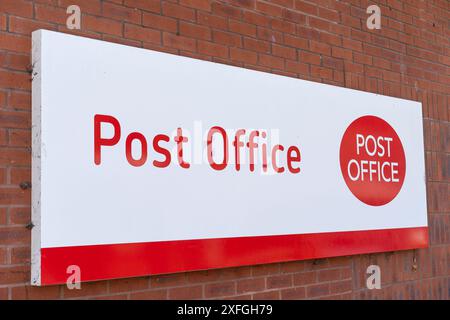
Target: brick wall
(325,41)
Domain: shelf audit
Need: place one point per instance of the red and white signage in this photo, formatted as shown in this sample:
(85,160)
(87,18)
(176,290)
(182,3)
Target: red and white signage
(150,163)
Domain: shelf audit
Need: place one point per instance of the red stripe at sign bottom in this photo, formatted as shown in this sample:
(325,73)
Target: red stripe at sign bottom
(100,262)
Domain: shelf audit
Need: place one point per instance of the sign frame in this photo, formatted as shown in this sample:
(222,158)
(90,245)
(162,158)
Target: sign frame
(55,246)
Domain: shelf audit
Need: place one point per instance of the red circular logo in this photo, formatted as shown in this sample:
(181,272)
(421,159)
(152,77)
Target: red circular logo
(372,160)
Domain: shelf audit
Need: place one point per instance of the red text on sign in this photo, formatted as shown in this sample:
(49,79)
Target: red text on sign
(159,145)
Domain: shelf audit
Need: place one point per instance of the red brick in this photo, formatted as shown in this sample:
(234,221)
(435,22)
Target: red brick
(195,31)
(142,34)
(296,42)
(169,280)
(283,26)
(324,73)
(3,22)
(87,6)
(20,8)
(304,278)
(352,44)
(319,24)
(308,33)
(292,266)
(3,137)
(3,293)
(329,275)
(293,293)
(268,295)
(227,38)
(21,215)
(269,8)
(14,236)
(176,11)
(18,175)
(12,119)
(242,28)
(351,21)
(256,18)
(51,14)
(297,67)
(14,157)
(306,7)
(179,42)
(19,100)
(10,196)
(88,289)
(269,35)
(251,285)
(256,45)
(3,177)
(271,61)
(18,61)
(221,289)
(244,56)
(294,16)
(121,13)
(341,286)
(328,14)
(204,5)
(3,255)
(18,216)
(15,43)
(212,49)
(26,26)
(265,269)
(102,25)
(333,63)
(186,293)
(3,94)
(110,297)
(132,284)
(330,39)
(239,297)
(19,138)
(226,10)
(284,52)
(212,21)
(14,274)
(203,276)
(341,53)
(279,281)
(159,22)
(236,273)
(147,5)
(353,67)
(150,295)
(20,255)
(319,47)
(318,290)
(439,261)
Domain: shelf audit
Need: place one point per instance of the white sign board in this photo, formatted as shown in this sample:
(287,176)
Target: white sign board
(149,163)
